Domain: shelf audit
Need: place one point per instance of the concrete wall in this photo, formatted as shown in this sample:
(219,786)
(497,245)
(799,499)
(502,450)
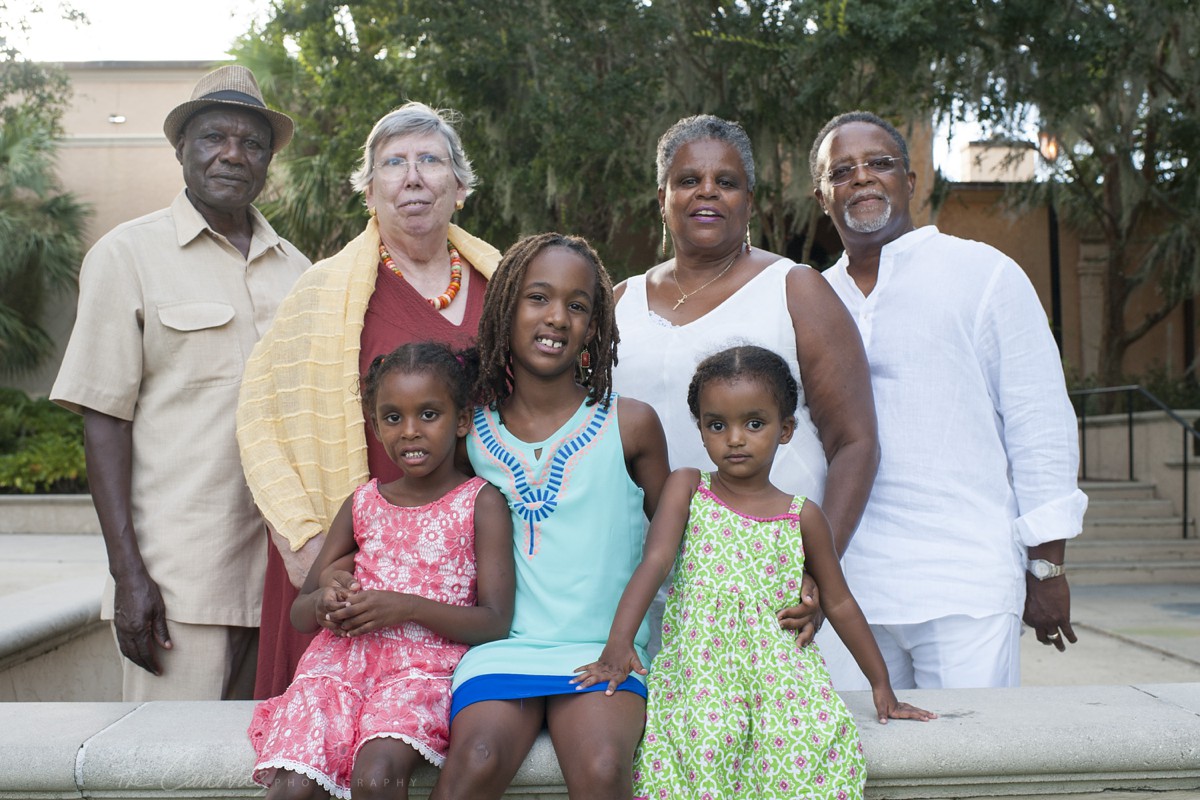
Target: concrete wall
(977,211)
(1158,455)
(1107,743)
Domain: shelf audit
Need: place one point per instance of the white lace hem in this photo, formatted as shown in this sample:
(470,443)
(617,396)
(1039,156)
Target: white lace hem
(274,765)
(430,755)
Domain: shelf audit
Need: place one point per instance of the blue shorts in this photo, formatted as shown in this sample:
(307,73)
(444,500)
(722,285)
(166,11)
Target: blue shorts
(502,686)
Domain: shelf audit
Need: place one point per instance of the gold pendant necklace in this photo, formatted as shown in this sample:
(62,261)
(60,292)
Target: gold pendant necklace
(683,296)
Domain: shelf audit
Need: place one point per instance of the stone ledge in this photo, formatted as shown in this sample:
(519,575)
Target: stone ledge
(1065,742)
(48,513)
(56,647)
(48,615)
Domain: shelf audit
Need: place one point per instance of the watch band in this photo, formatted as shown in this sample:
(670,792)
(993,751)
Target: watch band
(1044,570)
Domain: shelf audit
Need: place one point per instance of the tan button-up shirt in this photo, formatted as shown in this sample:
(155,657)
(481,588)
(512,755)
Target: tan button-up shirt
(169,311)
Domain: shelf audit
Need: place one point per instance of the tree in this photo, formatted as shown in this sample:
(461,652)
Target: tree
(563,100)
(1118,84)
(41,228)
(550,103)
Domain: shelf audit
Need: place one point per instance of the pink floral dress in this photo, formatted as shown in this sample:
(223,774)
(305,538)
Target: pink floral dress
(392,683)
(735,707)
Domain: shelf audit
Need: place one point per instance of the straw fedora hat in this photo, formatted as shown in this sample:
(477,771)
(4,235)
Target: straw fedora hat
(229,86)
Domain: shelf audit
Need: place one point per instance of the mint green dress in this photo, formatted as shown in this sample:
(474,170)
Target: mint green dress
(578,530)
(736,708)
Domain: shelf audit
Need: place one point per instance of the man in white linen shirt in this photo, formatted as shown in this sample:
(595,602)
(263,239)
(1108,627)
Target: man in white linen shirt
(965,530)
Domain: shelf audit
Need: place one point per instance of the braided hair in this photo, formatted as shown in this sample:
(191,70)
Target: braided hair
(747,362)
(457,369)
(499,309)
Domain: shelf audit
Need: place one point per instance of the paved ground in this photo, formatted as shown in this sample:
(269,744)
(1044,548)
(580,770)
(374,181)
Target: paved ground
(1127,634)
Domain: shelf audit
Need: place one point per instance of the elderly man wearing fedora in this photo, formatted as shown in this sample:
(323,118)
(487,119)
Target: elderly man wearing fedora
(170,306)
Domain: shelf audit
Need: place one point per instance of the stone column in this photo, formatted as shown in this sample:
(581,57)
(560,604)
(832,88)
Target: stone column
(1093,259)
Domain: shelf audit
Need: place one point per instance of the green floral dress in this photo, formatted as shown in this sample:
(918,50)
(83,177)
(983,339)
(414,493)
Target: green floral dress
(736,708)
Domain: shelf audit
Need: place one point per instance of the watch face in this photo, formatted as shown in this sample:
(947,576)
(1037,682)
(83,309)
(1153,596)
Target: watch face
(1042,569)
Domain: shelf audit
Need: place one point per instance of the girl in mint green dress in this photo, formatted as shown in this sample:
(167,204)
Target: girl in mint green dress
(581,469)
(736,709)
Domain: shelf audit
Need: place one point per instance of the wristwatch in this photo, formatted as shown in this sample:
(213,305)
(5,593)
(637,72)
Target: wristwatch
(1043,570)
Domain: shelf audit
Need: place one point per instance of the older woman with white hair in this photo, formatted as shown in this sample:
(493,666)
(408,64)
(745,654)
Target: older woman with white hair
(411,275)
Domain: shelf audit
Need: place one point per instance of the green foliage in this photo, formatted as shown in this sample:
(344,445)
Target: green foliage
(41,227)
(1117,84)
(27,87)
(563,100)
(41,446)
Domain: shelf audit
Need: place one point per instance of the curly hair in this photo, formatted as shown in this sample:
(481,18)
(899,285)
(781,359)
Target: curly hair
(499,307)
(458,370)
(747,362)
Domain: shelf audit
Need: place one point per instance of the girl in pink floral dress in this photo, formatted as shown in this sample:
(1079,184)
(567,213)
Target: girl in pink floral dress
(736,709)
(433,574)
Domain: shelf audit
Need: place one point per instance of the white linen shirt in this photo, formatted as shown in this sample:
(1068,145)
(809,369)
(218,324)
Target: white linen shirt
(979,447)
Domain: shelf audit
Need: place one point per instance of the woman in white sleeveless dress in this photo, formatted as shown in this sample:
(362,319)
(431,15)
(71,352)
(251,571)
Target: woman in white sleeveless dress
(717,291)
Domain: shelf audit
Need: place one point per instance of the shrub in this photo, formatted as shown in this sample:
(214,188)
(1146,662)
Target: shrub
(41,447)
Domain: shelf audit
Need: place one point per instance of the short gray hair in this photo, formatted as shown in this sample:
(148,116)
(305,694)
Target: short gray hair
(415,119)
(846,119)
(700,127)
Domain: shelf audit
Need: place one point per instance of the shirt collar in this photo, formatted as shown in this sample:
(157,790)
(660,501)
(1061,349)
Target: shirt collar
(914,238)
(190,223)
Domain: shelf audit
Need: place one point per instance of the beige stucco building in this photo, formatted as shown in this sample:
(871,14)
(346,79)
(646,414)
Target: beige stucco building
(115,157)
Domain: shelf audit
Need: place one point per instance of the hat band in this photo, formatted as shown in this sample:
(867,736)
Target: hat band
(232,96)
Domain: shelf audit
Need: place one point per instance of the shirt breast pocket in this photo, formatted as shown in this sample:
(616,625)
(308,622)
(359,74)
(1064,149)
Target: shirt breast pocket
(201,344)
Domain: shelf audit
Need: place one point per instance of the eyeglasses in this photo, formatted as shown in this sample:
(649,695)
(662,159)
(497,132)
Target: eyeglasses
(881,165)
(424,165)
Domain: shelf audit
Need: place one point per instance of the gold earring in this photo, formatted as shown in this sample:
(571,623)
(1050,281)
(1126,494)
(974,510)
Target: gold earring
(748,247)
(459,205)
(372,211)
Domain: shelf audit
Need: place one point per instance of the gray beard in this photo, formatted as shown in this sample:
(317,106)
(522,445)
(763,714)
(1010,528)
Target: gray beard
(868,225)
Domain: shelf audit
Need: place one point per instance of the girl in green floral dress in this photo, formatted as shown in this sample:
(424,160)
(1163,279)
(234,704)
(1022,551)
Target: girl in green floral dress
(736,708)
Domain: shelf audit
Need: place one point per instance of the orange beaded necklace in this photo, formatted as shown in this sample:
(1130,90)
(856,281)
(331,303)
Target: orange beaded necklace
(444,299)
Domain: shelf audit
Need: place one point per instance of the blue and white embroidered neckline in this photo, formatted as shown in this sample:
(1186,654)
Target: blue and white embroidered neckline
(535,489)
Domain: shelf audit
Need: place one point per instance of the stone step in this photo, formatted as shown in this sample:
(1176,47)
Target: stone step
(1142,507)
(1117,490)
(1125,551)
(1155,573)
(1095,563)
(1137,528)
